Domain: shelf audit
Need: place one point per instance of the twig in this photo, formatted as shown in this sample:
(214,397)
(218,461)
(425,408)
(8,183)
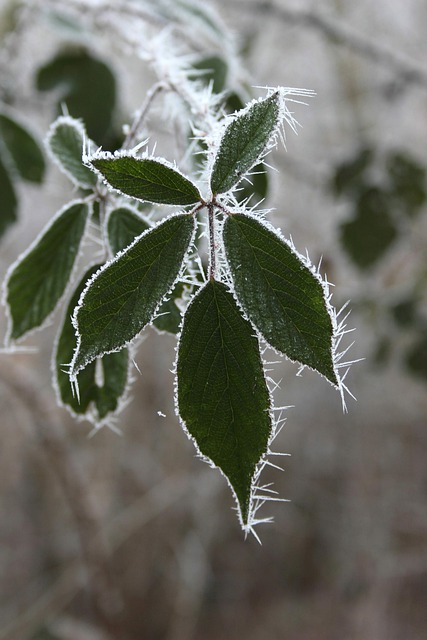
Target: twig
(105,597)
(62,592)
(403,66)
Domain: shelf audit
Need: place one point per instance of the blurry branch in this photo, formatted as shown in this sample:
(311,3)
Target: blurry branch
(406,69)
(61,461)
(71,581)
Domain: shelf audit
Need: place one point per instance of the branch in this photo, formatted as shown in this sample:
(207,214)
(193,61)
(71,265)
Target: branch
(106,600)
(403,66)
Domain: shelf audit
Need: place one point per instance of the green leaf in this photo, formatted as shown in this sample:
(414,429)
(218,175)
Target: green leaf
(214,70)
(65,141)
(244,142)
(222,393)
(8,200)
(280,295)
(169,315)
(125,295)
(408,182)
(350,176)
(86,86)
(257,189)
(24,151)
(146,179)
(38,280)
(123,226)
(416,357)
(372,232)
(98,399)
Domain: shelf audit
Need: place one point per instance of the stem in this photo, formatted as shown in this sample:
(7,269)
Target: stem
(212,254)
(141,115)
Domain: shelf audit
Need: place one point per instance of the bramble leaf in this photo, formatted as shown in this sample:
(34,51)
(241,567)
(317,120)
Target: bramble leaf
(38,280)
(368,236)
(222,393)
(280,295)
(65,140)
(212,69)
(146,179)
(244,142)
(123,226)
(26,155)
(8,200)
(86,85)
(100,399)
(125,295)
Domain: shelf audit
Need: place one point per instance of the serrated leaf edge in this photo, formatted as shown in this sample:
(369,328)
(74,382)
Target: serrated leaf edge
(73,373)
(339,327)
(91,414)
(132,153)
(79,126)
(114,208)
(246,527)
(8,341)
(6,156)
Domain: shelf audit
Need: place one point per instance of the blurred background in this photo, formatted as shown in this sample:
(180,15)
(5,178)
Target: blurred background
(131,536)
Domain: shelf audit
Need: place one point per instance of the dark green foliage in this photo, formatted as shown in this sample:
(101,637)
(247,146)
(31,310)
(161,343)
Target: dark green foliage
(351,174)
(25,153)
(279,294)
(408,182)
(124,225)
(126,295)
(243,143)
(379,203)
(87,87)
(20,157)
(372,231)
(222,394)
(147,179)
(8,200)
(416,357)
(104,398)
(38,280)
(65,140)
(214,70)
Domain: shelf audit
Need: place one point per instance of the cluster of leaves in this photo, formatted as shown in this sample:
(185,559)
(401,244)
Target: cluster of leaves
(387,192)
(379,205)
(256,289)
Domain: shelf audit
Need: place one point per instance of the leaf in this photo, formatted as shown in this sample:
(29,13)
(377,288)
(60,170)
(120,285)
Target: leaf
(257,187)
(86,86)
(125,294)
(222,393)
(416,356)
(65,140)
(372,232)
(214,70)
(146,179)
(350,176)
(104,398)
(408,182)
(26,155)
(8,200)
(36,283)
(244,142)
(123,226)
(280,295)
(169,315)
